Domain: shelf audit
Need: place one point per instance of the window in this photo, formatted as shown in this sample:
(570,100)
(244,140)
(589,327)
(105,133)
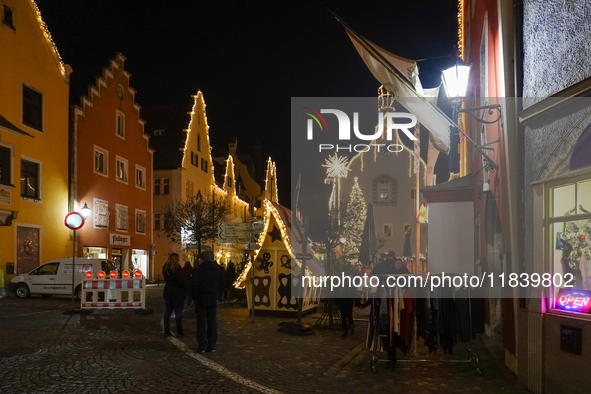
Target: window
(140,177)
(32,108)
(384,191)
(101,161)
(388,230)
(194,159)
(101,214)
(30,180)
(5,161)
(122,218)
(159,133)
(189,189)
(229,182)
(199,141)
(156,221)
(570,232)
(156,186)
(204,165)
(165,186)
(120,126)
(121,169)
(140,221)
(7,16)
(412,193)
(48,269)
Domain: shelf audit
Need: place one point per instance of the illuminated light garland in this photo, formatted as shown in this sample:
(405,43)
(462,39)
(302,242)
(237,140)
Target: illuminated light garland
(360,156)
(48,37)
(270,210)
(271,172)
(461,28)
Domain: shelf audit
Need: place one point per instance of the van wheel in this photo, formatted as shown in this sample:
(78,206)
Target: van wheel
(46,295)
(22,291)
(78,291)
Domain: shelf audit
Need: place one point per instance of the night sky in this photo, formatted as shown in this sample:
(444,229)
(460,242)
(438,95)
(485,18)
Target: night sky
(248,58)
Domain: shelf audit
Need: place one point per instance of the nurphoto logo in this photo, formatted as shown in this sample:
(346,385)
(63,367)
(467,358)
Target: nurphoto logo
(393,121)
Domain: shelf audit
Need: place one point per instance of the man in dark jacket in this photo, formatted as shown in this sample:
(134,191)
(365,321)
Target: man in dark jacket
(207,283)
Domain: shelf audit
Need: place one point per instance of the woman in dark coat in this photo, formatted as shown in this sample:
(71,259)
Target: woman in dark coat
(174,294)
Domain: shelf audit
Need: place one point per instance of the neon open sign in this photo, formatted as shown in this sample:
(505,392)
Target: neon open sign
(574,300)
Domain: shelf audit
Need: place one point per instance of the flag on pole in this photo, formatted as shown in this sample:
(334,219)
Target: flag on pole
(400,77)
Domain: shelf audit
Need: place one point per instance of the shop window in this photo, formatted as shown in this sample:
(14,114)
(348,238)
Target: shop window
(122,218)
(387,230)
(156,186)
(157,221)
(101,161)
(5,165)
(32,108)
(570,254)
(101,214)
(140,177)
(7,16)
(30,180)
(121,169)
(94,252)
(165,186)
(120,124)
(140,221)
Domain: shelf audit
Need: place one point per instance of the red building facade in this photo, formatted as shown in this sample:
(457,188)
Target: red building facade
(113,172)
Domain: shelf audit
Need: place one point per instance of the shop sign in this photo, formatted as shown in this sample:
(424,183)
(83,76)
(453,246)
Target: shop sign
(118,239)
(573,300)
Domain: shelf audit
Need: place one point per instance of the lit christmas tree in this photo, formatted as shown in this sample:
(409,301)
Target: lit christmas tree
(356,213)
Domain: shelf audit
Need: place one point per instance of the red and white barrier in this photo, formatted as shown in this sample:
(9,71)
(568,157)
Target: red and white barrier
(113,294)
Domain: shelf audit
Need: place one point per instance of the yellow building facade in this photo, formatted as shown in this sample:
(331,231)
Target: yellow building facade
(34,86)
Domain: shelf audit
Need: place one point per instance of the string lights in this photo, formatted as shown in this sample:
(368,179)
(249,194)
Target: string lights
(48,38)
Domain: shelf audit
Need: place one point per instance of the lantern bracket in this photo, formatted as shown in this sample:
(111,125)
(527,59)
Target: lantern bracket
(491,108)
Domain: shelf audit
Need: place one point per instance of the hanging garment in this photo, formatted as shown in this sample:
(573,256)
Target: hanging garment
(384,322)
(448,327)
(405,321)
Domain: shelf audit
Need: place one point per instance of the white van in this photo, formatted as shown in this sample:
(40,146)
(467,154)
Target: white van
(55,277)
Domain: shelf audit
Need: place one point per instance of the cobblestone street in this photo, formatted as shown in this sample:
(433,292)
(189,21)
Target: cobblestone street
(45,351)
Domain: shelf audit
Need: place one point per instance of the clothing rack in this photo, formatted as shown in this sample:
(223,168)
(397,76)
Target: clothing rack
(472,356)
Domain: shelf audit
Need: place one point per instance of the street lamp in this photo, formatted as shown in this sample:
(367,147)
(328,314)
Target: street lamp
(85,211)
(455,79)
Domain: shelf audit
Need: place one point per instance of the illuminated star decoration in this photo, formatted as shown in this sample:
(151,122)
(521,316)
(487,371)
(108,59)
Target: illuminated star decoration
(275,234)
(336,168)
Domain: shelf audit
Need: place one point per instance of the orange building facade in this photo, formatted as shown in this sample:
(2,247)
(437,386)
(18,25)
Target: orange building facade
(113,173)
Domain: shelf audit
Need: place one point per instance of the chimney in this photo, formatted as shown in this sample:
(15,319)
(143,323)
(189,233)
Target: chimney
(232,145)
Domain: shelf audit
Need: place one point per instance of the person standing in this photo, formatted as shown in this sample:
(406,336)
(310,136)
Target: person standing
(230,278)
(207,284)
(187,271)
(174,294)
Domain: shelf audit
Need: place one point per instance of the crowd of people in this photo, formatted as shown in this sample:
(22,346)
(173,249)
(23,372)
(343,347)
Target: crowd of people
(202,287)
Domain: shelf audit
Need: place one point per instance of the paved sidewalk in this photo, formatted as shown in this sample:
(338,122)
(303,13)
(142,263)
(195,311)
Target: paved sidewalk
(324,362)
(44,351)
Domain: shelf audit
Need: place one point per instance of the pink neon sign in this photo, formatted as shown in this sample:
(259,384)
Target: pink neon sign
(574,300)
